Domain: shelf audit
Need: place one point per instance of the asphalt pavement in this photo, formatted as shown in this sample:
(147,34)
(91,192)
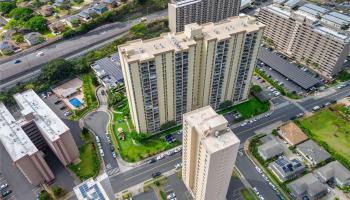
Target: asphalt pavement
(97,122)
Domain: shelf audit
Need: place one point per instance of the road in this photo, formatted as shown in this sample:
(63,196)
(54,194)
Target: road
(283,113)
(11,73)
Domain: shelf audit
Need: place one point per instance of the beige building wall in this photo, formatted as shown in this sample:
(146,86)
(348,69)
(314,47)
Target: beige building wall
(321,47)
(209,153)
(186,12)
(176,73)
(35,169)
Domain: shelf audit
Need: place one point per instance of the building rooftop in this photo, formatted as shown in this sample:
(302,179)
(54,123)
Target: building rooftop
(286,168)
(333,18)
(290,71)
(334,170)
(47,121)
(292,3)
(109,69)
(271,148)
(313,9)
(213,128)
(90,190)
(139,50)
(307,184)
(292,134)
(12,136)
(313,151)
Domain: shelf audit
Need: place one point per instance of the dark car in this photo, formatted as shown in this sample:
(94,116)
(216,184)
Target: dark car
(111,148)
(156,174)
(58,102)
(63,107)
(17,61)
(152,161)
(6,193)
(102,92)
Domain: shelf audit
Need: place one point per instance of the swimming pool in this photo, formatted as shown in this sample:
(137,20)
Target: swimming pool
(75,102)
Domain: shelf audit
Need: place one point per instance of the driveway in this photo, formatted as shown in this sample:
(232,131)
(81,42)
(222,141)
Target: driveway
(97,122)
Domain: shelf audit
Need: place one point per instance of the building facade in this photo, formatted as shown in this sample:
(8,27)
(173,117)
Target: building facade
(168,76)
(311,35)
(208,155)
(36,133)
(182,12)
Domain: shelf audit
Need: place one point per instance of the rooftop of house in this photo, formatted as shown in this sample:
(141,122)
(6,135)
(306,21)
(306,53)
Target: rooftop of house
(333,170)
(313,151)
(141,50)
(292,134)
(307,184)
(271,148)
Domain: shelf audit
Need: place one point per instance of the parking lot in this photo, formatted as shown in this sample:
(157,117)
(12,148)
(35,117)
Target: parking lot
(5,188)
(176,189)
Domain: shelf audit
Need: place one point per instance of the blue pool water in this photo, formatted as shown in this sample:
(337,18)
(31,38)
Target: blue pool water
(75,102)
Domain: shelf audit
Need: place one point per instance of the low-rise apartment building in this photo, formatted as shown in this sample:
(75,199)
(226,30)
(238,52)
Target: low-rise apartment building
(175,73)
(30,137)
(312,35)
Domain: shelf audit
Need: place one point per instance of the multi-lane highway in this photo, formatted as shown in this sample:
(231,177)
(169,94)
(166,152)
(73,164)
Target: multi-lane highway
(282,113)
(11,73)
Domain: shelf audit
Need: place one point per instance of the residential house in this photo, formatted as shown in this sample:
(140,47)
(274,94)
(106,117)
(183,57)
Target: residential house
(334,172)
(313,153)
(33,38)
(111,3)
(57,27)
(72,21)
(100,8)
(292,134)
(59,3)
(286,169)
(6,47)
(46,10)
(84,16)
(270,149)
(307,187)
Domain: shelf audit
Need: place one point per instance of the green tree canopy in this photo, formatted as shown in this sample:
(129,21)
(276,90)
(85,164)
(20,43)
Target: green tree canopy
(6,7)
(57,69)
(21,13)
(115,98)
(36,23)
(14,24)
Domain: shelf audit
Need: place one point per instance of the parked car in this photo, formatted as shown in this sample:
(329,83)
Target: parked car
(17,61)
(102,153)
(103,92)
(97,139)
(114,155)
(152,161)
(315,108)
(68,113)
(156,174)
(63,107)
(178,166)
(171,195)
(3,186)
(111,148)
(58,102)
(6,193)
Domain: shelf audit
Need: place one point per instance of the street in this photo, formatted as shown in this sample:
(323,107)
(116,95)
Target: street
(11,73)
(282,113)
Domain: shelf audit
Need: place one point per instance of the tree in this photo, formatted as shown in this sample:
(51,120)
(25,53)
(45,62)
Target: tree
(37,3)
(114,98)
(160,3)
(225,104)
(167,125)
(14,24)
(142,2)
(56,70)
(36,23)
(45,196)
(139,30)
(21,13)
(18,38)
(6,7)
(255,89)
(126,110)
(58,191)
(139,137)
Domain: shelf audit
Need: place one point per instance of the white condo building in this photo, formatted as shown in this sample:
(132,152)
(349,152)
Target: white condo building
(175,73)
(208,155)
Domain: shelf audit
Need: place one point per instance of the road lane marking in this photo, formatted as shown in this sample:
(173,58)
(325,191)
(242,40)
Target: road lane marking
(259,126)
(146,171)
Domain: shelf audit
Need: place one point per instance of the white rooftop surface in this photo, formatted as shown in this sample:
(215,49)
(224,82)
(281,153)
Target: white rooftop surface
(279,11)
(12,136)
(207,122)
(140,50)
(185,2)
(332,33)
(47,121)
(90,190)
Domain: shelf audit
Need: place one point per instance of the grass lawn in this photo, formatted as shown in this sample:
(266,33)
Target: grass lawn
(248,109)
(331,130)
(89,162)
(133,151)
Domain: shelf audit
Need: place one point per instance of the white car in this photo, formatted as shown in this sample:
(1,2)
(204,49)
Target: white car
(178,166)
(171,195)
(102,153)
(40,53)
(97,139)
(243,124)
(114,155)
(3,186)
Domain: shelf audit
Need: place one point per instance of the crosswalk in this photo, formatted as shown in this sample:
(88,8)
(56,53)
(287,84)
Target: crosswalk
(110,170)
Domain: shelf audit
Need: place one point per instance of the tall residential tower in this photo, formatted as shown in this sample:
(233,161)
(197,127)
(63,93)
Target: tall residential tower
(209,153)
(168,76)
(182,12)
